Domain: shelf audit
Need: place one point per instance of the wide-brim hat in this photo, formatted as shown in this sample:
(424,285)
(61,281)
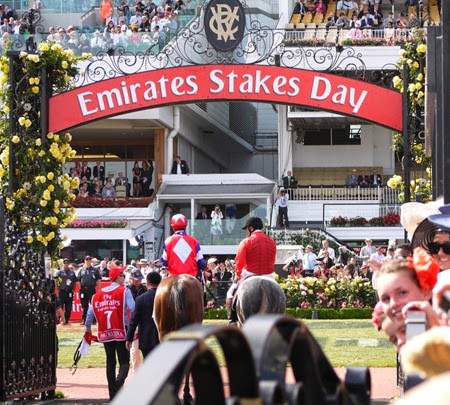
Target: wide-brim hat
(212,260)
(414,218)
(441,220)
(143,261)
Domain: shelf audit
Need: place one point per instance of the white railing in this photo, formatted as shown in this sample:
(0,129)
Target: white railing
(380,194)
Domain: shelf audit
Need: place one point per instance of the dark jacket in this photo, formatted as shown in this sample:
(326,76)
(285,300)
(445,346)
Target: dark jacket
(184,167)
(135,292)
(142,317)
(99,173)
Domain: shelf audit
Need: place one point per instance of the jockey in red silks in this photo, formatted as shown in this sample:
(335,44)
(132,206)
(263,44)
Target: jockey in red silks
(255,257)
(181,252)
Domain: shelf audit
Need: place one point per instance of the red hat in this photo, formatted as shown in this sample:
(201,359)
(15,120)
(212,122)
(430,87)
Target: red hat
(178,221)
(116,272)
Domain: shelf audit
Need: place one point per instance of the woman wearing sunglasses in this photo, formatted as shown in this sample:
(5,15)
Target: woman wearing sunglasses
(439,248)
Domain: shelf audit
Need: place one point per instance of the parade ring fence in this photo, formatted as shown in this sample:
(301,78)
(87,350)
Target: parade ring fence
(257,358)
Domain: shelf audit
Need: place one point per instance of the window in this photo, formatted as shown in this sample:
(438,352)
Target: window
(348,135)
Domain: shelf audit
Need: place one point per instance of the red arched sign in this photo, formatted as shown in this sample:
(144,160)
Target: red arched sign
(191,84)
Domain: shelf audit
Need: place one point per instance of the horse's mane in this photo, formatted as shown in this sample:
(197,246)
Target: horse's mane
(178,303)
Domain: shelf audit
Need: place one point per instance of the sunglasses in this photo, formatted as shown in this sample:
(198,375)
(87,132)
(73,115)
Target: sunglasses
(435,247)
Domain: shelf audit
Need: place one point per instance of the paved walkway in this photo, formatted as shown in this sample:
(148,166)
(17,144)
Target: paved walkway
(90,383)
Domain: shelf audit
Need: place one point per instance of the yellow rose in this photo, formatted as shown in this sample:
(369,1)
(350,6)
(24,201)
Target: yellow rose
(56,137)
(420,77)
(54,221)
(30,239)
(27,123)
(47,221)
(10,204)
(36,80)
(50,236)
(56,210)
(418,86)
(56,203)
(22,121)
(68,137)
(22,54)
(64,64)
(41,153)
(416,64)
(66,185)
(42,179)
(39,238)
(46,195)
(6,109)
(421,48)
(38,142)
(35,89)
(75,182)
(43,203)
(43,47)
(15,139)
(51,187)
(31,81)
(50,135)
(66,78)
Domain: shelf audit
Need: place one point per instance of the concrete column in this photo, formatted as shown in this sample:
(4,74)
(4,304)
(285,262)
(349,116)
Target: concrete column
(284,143)
(192,215)
(124,254)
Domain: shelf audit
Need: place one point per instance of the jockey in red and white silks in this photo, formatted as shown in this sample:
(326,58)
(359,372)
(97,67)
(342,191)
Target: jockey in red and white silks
(181,252)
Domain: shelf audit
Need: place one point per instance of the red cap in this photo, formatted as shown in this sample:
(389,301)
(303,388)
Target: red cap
(115,272)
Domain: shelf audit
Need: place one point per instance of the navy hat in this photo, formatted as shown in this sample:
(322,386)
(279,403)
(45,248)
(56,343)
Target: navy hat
(137,274)
(442,220)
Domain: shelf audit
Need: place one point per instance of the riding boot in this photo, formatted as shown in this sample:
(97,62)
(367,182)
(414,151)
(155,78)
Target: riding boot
(232,316)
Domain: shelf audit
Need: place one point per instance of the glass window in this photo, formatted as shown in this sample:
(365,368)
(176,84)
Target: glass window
(93,153)
(137,152)
(317,137)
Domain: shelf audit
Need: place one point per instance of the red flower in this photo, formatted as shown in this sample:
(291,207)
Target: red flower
(426,268)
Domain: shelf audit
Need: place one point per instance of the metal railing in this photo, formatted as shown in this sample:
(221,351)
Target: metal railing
(365,211)
(317,193)
(256,357)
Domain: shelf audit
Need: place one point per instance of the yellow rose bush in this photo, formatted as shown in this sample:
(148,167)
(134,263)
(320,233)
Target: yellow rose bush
(413,55)
(40,203)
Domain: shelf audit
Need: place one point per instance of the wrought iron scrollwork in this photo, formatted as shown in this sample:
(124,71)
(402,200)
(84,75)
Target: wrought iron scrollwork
(261,45)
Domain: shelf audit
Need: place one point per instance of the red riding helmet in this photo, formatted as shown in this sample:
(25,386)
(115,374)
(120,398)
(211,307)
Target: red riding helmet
(178,222)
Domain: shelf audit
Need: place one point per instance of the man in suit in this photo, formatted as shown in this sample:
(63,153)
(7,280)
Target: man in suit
(223,278)
(367,250)
(289,183)
(121,181)
(375,179)
(99,171)
(367,21)
(86,171)
(202,214)
(180,166)
(299,8)
(363,179)
(142,317)
(352,179)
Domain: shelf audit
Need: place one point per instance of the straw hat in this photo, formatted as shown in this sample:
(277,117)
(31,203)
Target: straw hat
(414,219)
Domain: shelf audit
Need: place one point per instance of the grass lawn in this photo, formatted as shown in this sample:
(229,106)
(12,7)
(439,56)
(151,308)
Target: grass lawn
(345,342)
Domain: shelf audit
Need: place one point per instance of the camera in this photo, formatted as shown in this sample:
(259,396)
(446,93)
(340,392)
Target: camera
(416,323)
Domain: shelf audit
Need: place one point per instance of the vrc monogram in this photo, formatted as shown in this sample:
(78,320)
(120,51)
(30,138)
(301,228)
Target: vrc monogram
(222,21)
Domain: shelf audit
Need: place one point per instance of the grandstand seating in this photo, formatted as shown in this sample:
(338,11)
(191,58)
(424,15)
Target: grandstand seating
(328,176)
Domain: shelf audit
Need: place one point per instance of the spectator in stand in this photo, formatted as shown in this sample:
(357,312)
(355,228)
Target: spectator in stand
(344,255)
(52,34)
(367,20)
(283,202)
(326,260)
(401,21)
(136,19)
(363,179)
(321,8)
(180,166)
(216,224)
(365,272)
(413,21)
(96,42)
(109,27)
(378,255)
(377,16)
(299,8)
(145,24)
(202,214)
(390,254)
(147,174)
(122,181)
(389,19)
(108,189)
(289,182)
(352,179)
(124,8)
(310,7)
(367,33)
(375,179)
(332,20)
(343,21)
(106,10)
(137,174)
(86,170)
(99,170)
(355,33)
(347,5)
(84,192)
(367,250)
(353,262)
(326,248)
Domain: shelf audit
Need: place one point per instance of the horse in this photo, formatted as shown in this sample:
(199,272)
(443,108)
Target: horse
(259,295)
(178,302)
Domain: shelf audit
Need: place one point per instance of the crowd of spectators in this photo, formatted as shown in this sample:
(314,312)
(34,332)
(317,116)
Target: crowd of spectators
(94,182)
(343,265)
(363,180)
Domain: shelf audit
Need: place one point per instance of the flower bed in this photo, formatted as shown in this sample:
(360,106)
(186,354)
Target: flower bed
(312,293)
(364,42)
(306,42)
(92,202)
(98,224)
(390,219)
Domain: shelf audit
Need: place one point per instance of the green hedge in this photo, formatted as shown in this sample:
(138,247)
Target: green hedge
(305,313)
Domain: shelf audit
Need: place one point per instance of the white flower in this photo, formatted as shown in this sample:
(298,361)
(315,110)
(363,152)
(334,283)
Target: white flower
(27,186)
(27,107)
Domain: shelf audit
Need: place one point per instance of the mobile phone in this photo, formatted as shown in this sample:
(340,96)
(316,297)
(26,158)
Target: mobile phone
(416,323)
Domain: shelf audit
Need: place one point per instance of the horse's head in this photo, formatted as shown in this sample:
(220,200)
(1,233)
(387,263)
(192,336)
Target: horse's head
(178,302)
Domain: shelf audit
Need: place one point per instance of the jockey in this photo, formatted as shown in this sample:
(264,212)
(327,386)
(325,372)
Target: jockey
(255,257)
(181,252)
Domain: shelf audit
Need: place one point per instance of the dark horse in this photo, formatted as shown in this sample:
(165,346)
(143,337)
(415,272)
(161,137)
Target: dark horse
(259,295)
(178,302)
